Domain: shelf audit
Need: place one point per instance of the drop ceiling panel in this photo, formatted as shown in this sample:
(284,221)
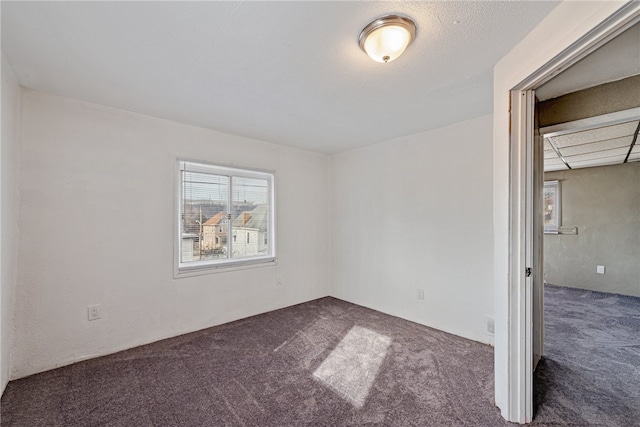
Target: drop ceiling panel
(600,146)
(598,155)
(553,162)
(593,135)
(597,147)
(615,160)
(550,154)
(552,168)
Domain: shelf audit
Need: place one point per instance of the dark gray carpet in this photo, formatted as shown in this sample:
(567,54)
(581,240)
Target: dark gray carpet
(290,367)
(590,374)
(324,363)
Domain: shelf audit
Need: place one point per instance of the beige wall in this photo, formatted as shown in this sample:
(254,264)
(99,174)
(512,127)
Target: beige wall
(604,203)
(602,99)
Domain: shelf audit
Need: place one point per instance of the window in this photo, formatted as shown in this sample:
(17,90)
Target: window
(551,206)
(217,202)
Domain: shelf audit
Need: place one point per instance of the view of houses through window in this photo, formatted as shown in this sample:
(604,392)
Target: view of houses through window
(225,214)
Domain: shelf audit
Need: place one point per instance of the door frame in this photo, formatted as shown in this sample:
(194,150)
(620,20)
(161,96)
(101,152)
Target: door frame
(514,350)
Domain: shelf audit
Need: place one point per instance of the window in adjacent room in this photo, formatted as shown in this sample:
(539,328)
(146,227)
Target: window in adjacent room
(214,204)
(551,206)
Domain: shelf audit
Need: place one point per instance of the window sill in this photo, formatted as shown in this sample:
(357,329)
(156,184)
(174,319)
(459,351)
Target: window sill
(224,268)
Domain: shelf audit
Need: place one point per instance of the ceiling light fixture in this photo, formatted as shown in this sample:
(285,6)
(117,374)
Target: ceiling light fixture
(387,37)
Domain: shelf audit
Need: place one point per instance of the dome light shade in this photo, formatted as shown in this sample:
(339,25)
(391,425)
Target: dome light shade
(387,37)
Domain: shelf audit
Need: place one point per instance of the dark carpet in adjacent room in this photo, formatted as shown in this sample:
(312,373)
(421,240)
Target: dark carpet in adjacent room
(325,363)
(590,374)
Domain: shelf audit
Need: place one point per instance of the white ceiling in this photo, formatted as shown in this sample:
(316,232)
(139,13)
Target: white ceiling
(618,59)
(285,72)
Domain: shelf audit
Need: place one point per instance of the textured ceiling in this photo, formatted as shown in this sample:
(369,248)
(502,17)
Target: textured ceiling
(285,72)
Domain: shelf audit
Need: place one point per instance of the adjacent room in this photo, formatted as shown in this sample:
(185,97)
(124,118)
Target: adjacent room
(269,213)
(589,119)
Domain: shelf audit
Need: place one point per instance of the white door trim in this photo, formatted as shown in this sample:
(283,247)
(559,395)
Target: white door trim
(521,252)
(513,310)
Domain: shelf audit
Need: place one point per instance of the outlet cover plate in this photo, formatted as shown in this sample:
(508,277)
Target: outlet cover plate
(490,327)
(93,311)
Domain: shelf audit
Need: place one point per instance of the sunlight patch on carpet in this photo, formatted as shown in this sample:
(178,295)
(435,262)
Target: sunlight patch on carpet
(353,365)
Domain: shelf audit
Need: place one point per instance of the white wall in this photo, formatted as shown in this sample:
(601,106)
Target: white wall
(416,212)
(97,208)
(9,165)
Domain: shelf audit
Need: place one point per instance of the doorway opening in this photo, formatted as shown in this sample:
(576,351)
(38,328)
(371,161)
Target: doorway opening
(524,275)
(591,220)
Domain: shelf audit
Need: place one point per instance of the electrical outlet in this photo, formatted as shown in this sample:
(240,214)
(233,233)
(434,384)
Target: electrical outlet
(420,294)
(489,325)
(93,312)
(278,280)
(600,269)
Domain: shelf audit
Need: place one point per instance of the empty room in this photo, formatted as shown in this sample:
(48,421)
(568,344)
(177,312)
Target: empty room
(285,213)
(589,121)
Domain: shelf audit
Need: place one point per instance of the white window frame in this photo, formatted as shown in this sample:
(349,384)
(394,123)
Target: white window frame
(190,268)
(557,214)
